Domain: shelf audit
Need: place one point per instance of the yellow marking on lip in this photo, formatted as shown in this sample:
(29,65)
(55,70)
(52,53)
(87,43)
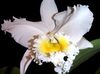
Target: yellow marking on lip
(47,47)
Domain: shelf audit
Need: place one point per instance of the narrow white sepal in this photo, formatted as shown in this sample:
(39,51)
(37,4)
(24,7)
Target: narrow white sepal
(25,62)
(47,10)
(83,44)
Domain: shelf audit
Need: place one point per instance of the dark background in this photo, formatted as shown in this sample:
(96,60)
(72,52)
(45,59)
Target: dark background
(11,52)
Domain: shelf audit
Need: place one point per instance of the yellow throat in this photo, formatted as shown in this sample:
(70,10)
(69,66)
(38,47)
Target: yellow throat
(58,44)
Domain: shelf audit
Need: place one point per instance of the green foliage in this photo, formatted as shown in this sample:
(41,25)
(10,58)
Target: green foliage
(3,70)
(85,54)
(98,71)
(14,70)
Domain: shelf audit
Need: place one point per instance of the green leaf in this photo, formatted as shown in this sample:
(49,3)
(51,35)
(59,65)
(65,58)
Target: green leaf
(15,70)
(86,53)
(3,70)
(98,71)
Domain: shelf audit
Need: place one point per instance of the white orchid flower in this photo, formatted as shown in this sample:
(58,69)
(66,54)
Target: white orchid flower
(57,38)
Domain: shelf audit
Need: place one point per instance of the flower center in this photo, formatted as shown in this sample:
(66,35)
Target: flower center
(57,43)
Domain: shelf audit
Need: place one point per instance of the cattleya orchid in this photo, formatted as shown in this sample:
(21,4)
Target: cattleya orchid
(57,38)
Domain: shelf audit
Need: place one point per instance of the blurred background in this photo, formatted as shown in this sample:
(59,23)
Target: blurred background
(11,52)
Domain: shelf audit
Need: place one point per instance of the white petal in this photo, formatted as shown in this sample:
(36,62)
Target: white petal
(38,25)
(79,23)
(20,31)
(25,62)
(67,66)
(83,44)
(58,69)
(57,58)
(59,17)
(47,10)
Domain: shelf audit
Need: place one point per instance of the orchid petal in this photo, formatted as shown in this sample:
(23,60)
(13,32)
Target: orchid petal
(47,10)
(38,25)
(21,32)
(61,18)
(78,24)
(83,43)
(25,62)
